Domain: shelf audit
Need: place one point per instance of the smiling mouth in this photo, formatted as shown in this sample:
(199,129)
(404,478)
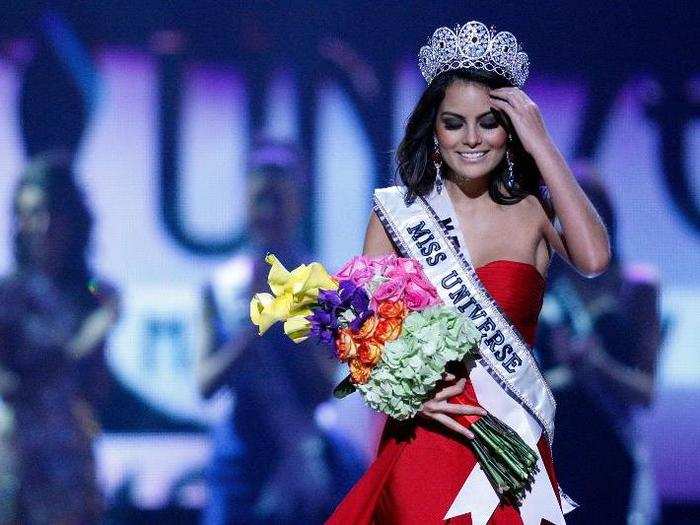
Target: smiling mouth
(472,155)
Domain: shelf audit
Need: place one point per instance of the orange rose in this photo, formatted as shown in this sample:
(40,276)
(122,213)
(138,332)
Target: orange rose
(392,309)
(367,329)
(369,352)
(388,329)
(345,345)
(358,372)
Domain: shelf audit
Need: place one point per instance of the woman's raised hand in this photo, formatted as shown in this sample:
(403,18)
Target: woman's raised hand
(525,116)
(440,410)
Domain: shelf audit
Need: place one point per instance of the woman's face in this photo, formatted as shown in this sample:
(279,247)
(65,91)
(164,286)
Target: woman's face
(32,216)
(471,139)
(271,207)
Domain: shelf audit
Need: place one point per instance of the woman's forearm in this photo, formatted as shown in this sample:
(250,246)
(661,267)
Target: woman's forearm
(215,367)
(585,237)
(92,333)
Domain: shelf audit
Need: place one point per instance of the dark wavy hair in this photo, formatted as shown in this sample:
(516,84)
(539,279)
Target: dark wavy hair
(53,173)
(414,166)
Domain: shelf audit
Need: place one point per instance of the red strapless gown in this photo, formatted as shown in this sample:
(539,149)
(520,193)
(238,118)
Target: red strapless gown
(421,467)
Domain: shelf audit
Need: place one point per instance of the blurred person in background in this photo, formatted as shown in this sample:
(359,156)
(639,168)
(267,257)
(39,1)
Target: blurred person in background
(54,318)
(271,462)
(599,342)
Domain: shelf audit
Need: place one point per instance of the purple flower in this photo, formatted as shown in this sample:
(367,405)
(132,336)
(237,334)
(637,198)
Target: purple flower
(346,306)
(323,325)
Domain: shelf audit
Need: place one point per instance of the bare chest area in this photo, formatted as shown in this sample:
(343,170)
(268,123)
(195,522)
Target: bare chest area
(499,234)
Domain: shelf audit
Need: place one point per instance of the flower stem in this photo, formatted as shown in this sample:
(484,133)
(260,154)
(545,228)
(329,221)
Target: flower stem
(508,462)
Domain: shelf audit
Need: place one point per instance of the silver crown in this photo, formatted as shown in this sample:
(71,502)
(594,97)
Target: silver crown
(473,45)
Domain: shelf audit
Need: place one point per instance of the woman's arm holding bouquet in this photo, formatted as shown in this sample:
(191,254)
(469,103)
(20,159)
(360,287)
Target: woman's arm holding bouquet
(583,240)
(441,410)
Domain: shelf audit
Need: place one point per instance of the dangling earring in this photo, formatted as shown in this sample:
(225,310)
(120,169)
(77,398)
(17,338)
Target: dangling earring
(437,162)
(510,179)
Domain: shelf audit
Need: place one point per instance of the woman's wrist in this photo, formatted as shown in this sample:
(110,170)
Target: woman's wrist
(546,154)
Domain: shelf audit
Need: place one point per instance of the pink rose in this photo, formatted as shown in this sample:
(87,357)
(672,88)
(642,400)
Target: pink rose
(402,267)
(421,280)
(411,266)
(396,270)
(418,297)
(389,291)
(380,264)
(358,270)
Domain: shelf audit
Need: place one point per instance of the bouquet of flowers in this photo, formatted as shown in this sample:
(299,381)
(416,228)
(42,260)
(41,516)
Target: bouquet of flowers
(384,319)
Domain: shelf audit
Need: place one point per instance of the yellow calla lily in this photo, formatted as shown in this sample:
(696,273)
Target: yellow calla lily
(266,310)
(298,326)
(304,281)
(292,295)
(317,279)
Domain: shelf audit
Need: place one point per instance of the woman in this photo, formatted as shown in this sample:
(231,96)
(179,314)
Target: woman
(599,341)
(53,322)
(473,158)
(269,436)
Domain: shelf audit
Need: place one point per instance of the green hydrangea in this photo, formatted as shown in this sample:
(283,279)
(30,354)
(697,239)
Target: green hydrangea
(411,366)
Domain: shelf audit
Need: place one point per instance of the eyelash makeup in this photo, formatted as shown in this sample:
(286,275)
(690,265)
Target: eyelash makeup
(486,124)
(489,124)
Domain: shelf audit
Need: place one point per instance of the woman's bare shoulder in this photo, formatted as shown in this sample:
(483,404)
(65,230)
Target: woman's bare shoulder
(534,207)
(529,211)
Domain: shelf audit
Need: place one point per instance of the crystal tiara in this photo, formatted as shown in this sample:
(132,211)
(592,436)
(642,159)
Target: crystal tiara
(473,45)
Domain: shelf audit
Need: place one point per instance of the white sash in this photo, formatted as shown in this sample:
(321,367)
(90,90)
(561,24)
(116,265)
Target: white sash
(506,379)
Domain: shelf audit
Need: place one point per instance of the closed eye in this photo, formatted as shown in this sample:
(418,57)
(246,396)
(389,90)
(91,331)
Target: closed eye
(452,123)
(489,122)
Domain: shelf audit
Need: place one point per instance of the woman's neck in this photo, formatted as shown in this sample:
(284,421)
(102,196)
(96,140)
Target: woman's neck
(468,192)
